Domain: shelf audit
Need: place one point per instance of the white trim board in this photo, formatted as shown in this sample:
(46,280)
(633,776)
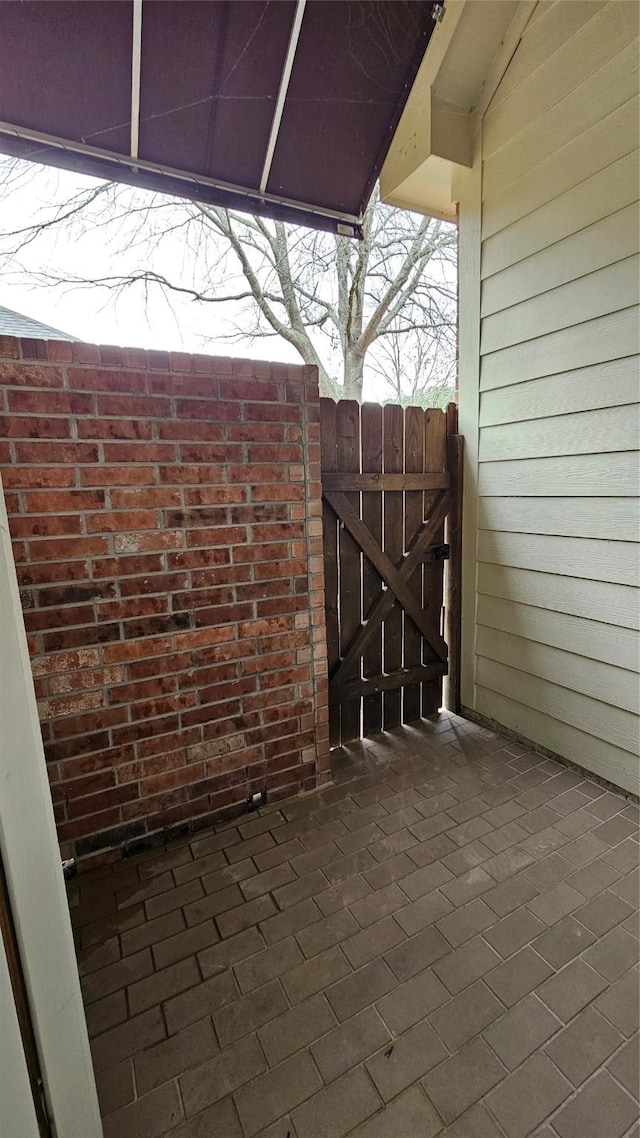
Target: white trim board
(31,860)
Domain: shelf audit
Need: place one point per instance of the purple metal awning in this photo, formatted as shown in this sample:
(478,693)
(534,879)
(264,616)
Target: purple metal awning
(284,108)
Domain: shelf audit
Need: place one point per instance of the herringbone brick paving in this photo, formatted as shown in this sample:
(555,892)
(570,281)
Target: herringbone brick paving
(443,942)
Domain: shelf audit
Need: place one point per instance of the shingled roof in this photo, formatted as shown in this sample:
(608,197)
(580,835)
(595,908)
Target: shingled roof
(15,324)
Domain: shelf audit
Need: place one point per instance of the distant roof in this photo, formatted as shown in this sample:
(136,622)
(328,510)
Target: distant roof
(15,324)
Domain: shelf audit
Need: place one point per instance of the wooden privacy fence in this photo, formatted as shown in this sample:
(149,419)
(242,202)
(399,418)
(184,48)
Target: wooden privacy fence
(391,489)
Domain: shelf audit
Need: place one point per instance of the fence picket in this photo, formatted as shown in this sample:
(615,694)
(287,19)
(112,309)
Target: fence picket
(413,519)
(435,460)
(350,589)
(371,427)
(393,454)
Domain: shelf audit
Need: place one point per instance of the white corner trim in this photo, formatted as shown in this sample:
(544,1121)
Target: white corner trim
(467,190)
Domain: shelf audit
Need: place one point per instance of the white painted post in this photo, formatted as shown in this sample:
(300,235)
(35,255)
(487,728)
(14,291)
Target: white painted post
(31,860)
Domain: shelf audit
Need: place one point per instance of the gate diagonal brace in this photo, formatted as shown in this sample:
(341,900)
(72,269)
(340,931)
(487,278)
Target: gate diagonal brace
(396,578)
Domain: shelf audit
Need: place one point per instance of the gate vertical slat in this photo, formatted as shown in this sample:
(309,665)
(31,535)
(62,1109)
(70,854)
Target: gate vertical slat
(348,453)
(371,430)
(413,518)
(435,460)
(329,463)
(393,419)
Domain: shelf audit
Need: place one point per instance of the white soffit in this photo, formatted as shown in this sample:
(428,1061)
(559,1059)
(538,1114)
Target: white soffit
(466,58)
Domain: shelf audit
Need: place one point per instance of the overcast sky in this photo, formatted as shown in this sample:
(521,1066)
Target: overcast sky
(132,319)
(93,315)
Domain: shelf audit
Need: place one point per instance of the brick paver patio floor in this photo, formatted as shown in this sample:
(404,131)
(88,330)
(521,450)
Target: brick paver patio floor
(442,942)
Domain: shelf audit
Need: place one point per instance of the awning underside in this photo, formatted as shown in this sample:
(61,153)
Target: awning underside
(278,107)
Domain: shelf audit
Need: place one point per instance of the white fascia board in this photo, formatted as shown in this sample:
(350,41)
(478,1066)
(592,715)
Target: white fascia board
(427,190)
(435,136)
(444,140)
(411,144)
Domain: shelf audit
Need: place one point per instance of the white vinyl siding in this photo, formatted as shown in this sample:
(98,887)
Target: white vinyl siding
(556,655)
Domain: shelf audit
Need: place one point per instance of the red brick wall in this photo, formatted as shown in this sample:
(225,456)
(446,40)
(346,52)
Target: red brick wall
(166,517)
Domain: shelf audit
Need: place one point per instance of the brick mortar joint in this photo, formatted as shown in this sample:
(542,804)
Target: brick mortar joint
(109,542)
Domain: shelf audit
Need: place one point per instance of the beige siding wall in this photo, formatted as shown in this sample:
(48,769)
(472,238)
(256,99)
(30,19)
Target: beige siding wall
(556,599)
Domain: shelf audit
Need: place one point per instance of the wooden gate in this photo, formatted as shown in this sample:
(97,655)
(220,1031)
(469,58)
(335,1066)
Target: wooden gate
(391,483)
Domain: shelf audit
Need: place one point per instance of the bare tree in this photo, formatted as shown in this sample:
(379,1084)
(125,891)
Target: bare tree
(387,301)
(417,369)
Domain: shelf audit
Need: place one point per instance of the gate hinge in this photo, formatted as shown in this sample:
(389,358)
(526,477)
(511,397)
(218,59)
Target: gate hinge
(440,552)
